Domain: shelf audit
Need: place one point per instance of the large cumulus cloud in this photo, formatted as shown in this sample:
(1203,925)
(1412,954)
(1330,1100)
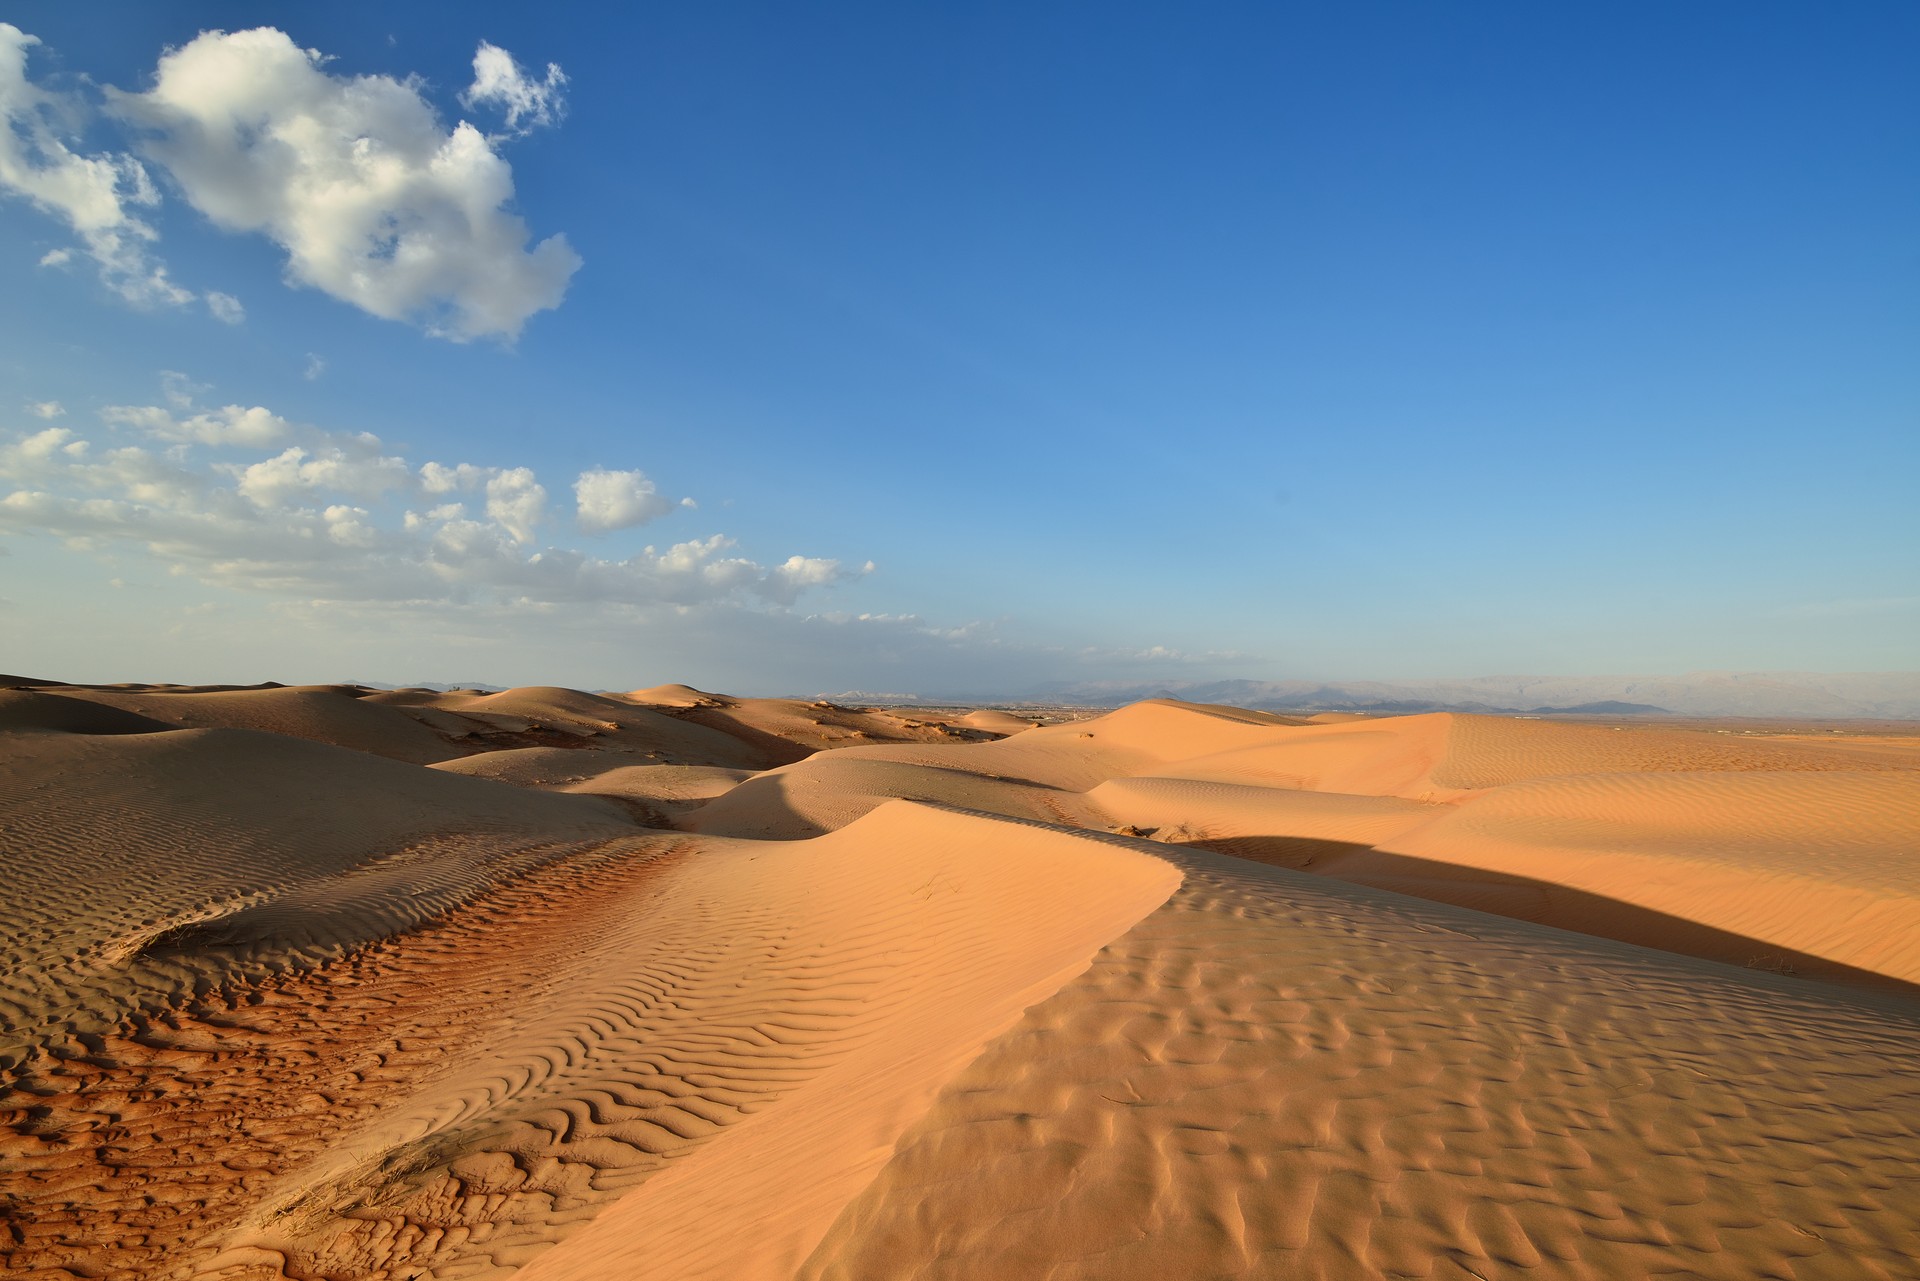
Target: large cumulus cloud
(374,198)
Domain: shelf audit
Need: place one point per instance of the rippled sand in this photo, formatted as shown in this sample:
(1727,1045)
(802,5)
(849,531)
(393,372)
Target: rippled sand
(328,982)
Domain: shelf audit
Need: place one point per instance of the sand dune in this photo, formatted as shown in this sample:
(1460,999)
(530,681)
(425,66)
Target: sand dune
(996,722)
(114,844)
(322,982)
(784,730)
(1818,865)
(829,791)
(321,714)
(1216,814)
(33,709)
(1274,1076)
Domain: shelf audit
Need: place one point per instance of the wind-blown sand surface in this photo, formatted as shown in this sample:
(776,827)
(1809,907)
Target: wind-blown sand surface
(326,982)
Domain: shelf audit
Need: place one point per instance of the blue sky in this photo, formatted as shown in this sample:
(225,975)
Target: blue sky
(1381,340)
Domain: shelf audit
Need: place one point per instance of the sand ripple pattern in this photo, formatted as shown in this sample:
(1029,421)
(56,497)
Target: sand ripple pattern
(1272,1078)
(452,1101)
(590,997)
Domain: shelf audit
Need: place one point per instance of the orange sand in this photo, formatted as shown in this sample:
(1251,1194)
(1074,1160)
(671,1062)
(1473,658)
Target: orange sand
(324,982)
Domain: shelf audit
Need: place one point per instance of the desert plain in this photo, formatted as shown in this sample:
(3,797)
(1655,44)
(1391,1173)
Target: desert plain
(335,982)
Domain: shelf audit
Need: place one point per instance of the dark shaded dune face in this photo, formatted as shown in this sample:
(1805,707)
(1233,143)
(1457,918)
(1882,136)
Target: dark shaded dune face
(110,842)
(569,718)
(22,709)
(827,791)
(325,714)
(784,730)
(563,986)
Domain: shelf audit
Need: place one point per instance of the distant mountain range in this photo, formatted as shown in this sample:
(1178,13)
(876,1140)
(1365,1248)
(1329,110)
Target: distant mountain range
(1800,695)
(439,687)
(1867,695)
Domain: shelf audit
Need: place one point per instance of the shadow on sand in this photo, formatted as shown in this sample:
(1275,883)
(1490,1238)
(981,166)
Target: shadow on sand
(1545,903)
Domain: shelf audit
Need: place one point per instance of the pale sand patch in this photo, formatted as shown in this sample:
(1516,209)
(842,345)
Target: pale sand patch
(321,714)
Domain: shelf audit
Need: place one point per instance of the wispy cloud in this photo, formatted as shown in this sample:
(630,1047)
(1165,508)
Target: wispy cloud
(528,104)
(225,307)
(95,194)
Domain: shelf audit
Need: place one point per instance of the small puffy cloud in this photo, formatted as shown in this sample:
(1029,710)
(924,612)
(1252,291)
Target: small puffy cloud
(56,257)
(225,307)
(437,478)
(348,526)
(46,408)
(499,82)
(608,500)
(21,456)
(95,195)
(315,367)
(798,573)
(55,457)
(232,425)
(294,471)
(332,516)
(516,502)
(374,201)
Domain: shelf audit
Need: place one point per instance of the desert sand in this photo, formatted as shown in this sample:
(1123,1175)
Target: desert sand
(330,982)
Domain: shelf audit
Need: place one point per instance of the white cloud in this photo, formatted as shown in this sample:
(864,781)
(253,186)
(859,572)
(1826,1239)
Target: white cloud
(348,526)
(294,471)
(46,408)
(498,81)
(436,478)
(608,500)
(374,200)
(25,451)
(56,457)
(315,367)
(92,194)
(332,516)
(789,580)
(231,425)
(225,307)
(56,257)
(516,502)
